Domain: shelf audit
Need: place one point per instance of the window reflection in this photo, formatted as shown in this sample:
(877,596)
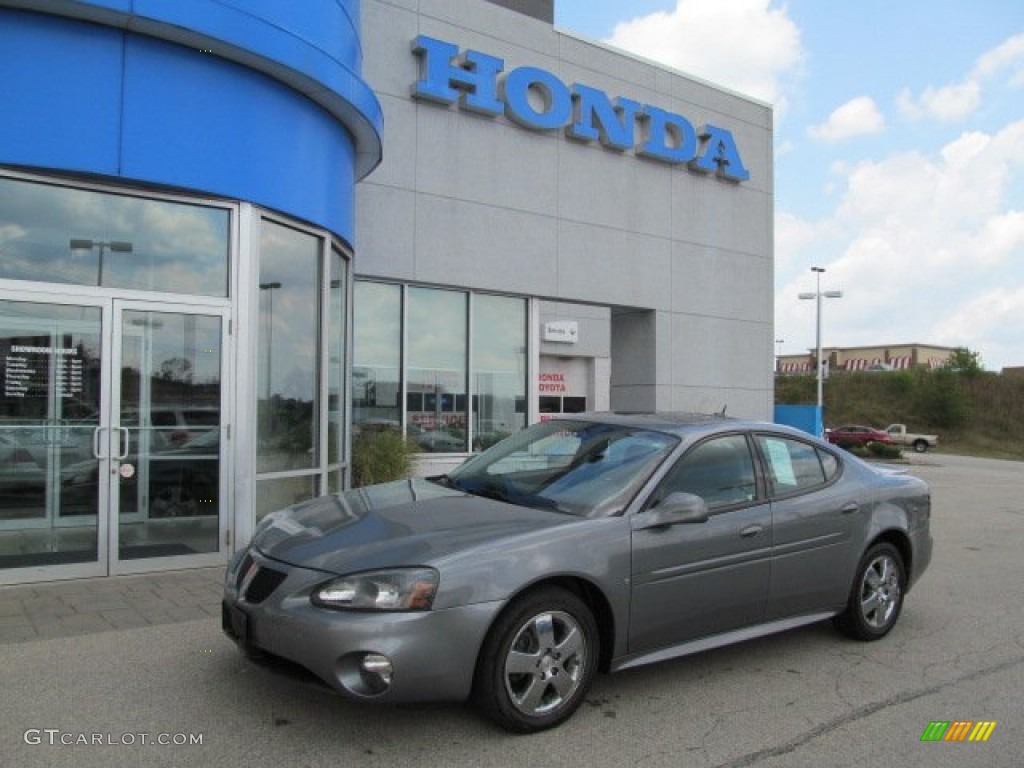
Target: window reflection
(336,307)
(289,333)
(83,237)
(436,389)
(499,368)
(280,492)
(437,410)
(49,410)
(377,342)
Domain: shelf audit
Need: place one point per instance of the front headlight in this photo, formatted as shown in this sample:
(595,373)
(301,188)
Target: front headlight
(404,589)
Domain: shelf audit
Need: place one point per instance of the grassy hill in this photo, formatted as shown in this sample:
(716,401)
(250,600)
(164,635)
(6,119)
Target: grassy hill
(976,414)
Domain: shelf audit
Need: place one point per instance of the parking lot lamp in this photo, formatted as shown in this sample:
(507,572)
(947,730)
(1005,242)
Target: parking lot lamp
(817,297)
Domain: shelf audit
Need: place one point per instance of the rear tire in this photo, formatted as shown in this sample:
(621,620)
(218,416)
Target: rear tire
(538,661)
(920,446)
(876,597)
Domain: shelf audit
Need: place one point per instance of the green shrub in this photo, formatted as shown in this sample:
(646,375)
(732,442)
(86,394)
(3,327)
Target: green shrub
(381,455)
(857,449)
(884,450)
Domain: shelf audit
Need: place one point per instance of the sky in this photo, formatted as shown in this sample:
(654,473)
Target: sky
(899,154)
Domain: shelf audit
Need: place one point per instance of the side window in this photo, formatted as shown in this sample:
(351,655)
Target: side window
(829,463)
(719,470)
(794,465)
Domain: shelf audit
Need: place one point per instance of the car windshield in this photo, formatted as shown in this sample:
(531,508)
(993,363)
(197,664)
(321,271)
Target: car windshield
(576,467)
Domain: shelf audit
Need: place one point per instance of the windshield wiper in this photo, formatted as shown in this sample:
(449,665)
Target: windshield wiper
(447,481)
(492,490)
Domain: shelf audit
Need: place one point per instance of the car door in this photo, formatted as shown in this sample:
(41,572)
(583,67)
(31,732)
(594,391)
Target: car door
(692,580)
(817,525)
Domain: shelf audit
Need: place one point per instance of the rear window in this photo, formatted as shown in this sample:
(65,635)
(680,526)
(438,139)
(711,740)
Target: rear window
(794,465)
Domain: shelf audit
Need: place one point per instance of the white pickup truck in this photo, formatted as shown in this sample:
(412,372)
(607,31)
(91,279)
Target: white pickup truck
(920,443)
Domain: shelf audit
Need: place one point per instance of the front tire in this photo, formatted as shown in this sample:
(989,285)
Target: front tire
(877,594)
(538,661)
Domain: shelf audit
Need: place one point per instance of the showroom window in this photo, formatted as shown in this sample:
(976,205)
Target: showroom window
(56,234)
(300,367)
(376,373)
(463,381)
(499,368)
(435,387)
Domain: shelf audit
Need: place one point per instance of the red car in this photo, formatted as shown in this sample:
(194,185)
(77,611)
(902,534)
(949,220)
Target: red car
(856,435)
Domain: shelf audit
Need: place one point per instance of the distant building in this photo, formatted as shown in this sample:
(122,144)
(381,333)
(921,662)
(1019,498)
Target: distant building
(893,357)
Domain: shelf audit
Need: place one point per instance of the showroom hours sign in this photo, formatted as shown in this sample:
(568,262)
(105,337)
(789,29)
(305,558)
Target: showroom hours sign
(27,371)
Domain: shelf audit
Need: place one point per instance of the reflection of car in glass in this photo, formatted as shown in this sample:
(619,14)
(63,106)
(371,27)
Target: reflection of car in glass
(18,469)
(581,544)
(176,424)
(183,481)
(68,441)
(437,440)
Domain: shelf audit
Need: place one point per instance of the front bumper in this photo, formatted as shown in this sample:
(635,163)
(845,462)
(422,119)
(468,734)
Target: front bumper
(433,653)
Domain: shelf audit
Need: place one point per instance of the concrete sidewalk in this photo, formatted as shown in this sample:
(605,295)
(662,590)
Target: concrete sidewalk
(82,607)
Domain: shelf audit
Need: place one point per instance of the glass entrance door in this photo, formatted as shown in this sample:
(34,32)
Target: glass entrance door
(167,434)
(50,430)
(112,437)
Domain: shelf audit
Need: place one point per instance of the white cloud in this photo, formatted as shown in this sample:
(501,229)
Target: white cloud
(857,117)
(1009,54)
(744,45)
(956,101)
(926,248)
(996,315)
(948,103)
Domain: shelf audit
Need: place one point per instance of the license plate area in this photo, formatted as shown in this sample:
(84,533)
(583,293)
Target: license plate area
(235,623)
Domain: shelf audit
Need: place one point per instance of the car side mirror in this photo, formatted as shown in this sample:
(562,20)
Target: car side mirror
(677,508)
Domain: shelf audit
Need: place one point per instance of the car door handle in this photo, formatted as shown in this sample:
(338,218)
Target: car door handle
(853,506)
(751,530)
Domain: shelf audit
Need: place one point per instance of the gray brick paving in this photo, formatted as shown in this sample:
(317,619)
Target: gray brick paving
(66,609)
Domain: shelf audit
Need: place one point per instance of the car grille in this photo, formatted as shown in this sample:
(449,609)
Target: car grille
(262,584)
(242,570)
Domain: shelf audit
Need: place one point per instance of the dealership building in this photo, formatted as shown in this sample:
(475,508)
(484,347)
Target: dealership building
(236,233)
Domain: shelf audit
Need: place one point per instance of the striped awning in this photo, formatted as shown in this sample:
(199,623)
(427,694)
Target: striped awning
(803,367)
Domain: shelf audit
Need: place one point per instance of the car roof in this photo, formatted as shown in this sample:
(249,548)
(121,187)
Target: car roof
(680,423)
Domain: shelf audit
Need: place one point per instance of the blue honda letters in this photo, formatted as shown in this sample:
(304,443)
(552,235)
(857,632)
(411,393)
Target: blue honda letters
(586,114)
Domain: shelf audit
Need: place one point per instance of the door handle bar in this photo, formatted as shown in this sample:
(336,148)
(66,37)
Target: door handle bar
(122,455)
(96,442)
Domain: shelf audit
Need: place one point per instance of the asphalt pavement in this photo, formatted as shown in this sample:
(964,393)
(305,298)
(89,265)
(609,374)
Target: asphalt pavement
(176,692)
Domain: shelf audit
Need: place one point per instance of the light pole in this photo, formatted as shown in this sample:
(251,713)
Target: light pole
(115,246)
(817,297)
(778,355)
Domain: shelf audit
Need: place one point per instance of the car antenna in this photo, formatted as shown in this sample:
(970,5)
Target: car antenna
(722,413)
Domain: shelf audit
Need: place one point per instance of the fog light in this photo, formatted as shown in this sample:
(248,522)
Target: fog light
(376,672)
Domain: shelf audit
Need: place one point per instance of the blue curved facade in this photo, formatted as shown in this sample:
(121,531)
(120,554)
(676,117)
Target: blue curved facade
(260,101)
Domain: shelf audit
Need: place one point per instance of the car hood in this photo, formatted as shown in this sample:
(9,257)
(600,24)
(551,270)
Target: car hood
(408,522)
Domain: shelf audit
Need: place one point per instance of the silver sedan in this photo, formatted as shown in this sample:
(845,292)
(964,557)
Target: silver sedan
(596,542)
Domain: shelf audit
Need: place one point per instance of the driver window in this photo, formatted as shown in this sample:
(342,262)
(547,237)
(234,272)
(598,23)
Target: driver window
(721,471)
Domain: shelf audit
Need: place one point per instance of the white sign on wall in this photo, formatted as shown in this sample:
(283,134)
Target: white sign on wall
(561,331)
